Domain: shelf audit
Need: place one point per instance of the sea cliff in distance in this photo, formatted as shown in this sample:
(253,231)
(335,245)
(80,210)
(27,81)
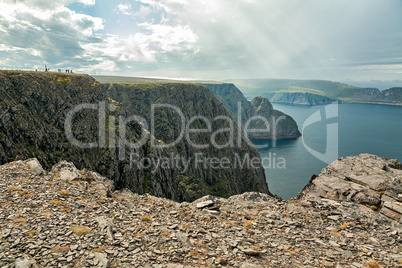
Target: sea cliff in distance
(315,92)
(281,126)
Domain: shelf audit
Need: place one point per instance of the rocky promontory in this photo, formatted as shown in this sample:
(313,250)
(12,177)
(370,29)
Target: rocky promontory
(369,180)
(278,125)
(299,98)
(74,218)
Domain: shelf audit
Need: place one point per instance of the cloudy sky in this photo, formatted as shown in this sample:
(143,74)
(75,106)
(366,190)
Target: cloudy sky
(206,39)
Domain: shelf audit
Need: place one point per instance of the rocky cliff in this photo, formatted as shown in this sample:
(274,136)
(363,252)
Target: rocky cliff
(280,125)
(369,180)
(374,95)
(72,218)
(34,107)
(291,90)
(299,98)
(196,101)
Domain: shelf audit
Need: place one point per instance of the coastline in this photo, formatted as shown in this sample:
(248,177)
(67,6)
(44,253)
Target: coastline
(341,102)
(271,138)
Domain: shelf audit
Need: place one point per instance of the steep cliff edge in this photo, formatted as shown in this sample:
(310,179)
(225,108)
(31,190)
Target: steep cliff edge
(374,95)
(280,125)
(34,107)
(196,102)
(292,91)
(370,180)
(300,98)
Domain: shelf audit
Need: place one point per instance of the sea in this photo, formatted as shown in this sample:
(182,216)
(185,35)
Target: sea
(329,132)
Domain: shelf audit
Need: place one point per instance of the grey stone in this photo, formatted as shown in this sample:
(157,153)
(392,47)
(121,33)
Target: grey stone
(103,260)
(205,204)
(36,167)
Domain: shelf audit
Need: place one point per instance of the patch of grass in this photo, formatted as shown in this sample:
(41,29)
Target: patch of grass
(59,249)
(5,203)
(31,233)
(100,250)
(146,218)
(15,188)
(63,193)
(248,223)
(64,79)
(47,213)
(374,264)
(291,251)
(19,221)
(80,230)
(335,233)
(345,225)
(257,249)
(194,253)
(55,202)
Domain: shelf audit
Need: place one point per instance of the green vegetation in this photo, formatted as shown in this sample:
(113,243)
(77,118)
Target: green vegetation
(141,80)
(258,87)
(301,90)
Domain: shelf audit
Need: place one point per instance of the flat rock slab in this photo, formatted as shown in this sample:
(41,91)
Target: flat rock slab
(205,204)
(364,179)
(376,182)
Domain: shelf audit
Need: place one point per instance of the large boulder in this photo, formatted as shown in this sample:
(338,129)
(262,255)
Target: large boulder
(66,171)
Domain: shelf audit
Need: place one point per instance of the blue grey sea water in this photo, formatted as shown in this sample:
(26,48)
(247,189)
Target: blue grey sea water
(362,128)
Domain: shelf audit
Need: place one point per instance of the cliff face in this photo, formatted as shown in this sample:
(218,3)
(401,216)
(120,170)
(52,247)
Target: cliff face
(298,98)
(280,125)
(35,106)
(309,92)
(391,96)
(195,101)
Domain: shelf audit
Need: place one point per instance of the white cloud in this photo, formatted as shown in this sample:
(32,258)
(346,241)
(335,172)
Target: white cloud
(32,34)
(210,38)
(127,9)
(87,2)
(120,49)
(102,66)
(142,47)
(48,4)
(166,38)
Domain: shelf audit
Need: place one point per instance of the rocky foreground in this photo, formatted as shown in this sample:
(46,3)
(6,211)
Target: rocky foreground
(71,218)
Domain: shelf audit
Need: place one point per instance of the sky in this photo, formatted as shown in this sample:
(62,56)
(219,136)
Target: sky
(339,40)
